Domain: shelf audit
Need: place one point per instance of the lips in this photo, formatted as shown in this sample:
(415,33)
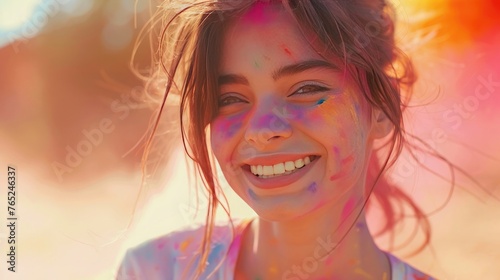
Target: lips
(278,181)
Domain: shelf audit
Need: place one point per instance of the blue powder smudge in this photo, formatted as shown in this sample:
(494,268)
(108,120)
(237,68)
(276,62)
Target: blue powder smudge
(215,253)
(321,101)
(252,194)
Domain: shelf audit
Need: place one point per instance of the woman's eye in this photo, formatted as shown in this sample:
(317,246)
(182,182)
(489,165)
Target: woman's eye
(310,89)
(228,101)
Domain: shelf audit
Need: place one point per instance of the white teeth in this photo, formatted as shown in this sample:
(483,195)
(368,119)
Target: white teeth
(279,168)
(289,166)
(265,171)
(268,170)
(299,163)
(307,160)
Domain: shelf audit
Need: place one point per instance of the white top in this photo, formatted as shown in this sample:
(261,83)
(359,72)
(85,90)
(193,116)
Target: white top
(168,256)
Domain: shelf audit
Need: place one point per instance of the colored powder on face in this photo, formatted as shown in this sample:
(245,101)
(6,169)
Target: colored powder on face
(342,171)
(321,101)
(229,125)
(256,64)
(252,194)
(290,112)
(360,225)
(356,108)
(287,51)
(232,129)
(266,120)
(355,113)
(348,159)
(313,187)
(322,114)
(336,151)
(258,14)
(348,208)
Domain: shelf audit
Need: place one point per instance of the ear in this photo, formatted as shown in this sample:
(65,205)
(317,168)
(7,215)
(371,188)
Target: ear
(381,125)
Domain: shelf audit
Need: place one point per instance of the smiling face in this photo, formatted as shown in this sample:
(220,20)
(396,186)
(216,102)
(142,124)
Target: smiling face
(282,105)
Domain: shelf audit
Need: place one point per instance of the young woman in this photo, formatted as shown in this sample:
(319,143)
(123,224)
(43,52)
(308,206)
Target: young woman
(300,102)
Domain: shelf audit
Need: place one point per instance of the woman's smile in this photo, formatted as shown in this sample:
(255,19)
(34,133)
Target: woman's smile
(264,180)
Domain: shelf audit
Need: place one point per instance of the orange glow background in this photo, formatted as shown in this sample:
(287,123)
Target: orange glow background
(66,86)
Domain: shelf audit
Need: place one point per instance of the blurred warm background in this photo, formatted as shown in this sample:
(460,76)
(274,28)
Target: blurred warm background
(73,121)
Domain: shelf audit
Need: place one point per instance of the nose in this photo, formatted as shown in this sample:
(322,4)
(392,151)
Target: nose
(267,126)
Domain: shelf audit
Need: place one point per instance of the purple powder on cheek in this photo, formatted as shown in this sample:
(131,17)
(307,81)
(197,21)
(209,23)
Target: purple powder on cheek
(232,129)
(229,125)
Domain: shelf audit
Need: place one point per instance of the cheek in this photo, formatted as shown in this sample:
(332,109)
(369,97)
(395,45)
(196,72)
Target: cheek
(334,112)
(224,128)
(342,163)
(344,135)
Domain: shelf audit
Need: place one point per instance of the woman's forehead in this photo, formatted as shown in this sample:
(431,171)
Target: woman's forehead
(261,12)
(274,37)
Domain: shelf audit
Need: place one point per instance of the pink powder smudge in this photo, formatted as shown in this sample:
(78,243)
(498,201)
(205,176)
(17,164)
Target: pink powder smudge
(348,208)
(258,14)
(160,245)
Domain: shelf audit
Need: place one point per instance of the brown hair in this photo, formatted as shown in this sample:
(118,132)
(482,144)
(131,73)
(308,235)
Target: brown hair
(360,33)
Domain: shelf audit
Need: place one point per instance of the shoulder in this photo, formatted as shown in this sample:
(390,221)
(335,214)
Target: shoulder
(404,271)
(168,255)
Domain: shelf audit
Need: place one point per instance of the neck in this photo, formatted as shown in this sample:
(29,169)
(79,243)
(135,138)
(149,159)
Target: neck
(313,246)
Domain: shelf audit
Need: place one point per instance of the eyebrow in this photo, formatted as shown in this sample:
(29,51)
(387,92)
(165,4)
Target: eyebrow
(280,72)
